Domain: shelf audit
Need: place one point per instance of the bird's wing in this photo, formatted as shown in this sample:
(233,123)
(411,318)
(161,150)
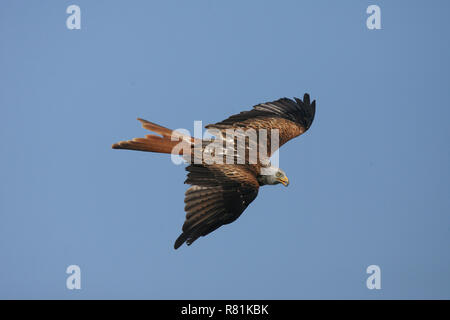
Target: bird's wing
(290,117)
(218,195)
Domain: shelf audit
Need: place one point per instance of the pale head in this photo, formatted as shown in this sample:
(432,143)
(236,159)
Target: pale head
(273,175)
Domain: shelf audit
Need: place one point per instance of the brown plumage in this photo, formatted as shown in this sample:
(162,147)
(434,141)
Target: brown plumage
(151,142)
(219,193)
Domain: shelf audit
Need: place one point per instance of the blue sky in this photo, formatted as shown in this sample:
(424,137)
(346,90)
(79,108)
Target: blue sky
(369,181)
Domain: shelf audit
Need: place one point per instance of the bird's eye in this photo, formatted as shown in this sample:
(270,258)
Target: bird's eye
(278,174)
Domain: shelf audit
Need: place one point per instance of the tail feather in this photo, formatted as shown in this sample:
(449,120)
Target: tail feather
(152,142)
(165,132)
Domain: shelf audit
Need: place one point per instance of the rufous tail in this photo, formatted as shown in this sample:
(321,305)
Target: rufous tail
(152,142)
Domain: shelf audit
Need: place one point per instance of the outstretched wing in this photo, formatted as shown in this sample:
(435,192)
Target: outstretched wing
(218,196)
(291,118)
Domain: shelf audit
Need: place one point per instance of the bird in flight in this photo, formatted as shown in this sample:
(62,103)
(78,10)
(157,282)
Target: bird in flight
(220,192)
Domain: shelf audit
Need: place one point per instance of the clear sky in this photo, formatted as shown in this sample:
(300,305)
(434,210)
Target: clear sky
(370,180)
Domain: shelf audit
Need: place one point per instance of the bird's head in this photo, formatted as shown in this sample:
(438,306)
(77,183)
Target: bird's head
(273,175)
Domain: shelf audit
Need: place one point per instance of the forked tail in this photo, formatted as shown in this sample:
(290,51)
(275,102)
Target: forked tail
(152,142)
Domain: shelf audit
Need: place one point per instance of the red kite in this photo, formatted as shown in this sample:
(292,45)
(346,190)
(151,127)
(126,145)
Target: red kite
(220,192)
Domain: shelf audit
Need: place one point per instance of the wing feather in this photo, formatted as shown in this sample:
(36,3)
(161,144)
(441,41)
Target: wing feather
(218,196)
(290,117)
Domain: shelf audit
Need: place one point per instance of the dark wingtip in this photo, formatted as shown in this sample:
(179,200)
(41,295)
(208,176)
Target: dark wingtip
(312,111)
(306,99)
(308,108)
(180,240)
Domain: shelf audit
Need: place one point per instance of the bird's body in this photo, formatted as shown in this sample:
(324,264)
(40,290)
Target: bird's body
(221,191)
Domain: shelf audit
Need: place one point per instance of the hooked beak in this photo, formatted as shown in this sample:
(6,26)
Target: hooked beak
(284,180)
